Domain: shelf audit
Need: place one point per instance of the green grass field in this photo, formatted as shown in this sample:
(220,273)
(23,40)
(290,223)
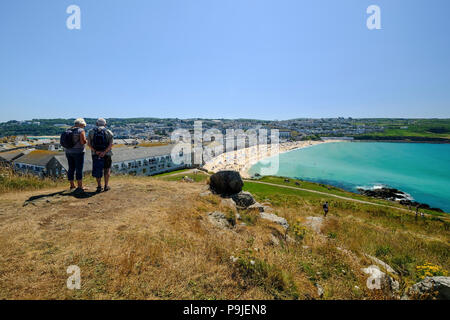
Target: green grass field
(265,189)
(419,128)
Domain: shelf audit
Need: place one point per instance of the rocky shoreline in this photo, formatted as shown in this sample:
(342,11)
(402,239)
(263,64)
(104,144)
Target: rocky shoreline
(393,194)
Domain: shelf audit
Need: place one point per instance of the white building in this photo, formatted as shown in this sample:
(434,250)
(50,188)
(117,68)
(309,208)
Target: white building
(146,160)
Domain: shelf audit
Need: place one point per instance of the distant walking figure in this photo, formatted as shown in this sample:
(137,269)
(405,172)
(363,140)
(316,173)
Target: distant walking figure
(100,141)
(73,140)
(325,208)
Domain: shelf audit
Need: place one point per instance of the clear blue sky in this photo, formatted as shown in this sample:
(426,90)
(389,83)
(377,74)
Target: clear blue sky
(276,59)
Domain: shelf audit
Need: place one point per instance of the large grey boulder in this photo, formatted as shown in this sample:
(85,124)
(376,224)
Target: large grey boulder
(243,199)
(431,287)
(226,182)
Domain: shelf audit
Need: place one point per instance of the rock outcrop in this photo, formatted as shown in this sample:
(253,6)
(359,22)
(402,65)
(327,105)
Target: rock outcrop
(393,194)
(274,218)
(219,220)
(226,183)
(243,199)
(229,203)
(430,288)
(383,264)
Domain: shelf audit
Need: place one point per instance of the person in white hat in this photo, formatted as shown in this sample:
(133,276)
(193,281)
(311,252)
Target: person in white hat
(75,153)
(100,140)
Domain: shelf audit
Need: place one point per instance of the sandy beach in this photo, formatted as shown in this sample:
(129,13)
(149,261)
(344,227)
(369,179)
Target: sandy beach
(242,160)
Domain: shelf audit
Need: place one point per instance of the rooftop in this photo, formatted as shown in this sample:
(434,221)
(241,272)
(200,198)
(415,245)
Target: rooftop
(11,155)
(37,157)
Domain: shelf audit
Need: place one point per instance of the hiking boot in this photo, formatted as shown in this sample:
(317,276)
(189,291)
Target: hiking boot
(107,188)
(99,189)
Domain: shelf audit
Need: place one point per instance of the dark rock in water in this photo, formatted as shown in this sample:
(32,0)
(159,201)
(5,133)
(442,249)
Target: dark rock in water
(243,199)
(385,193)
(393,194)
(226,182)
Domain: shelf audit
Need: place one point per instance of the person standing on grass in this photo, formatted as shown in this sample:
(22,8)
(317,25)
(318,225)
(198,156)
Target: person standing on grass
(325,208)
(73,140)
(100,140)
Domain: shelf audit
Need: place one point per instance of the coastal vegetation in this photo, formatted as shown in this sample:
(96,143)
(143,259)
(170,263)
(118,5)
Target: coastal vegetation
(11,181)
(150,238)
(414,130)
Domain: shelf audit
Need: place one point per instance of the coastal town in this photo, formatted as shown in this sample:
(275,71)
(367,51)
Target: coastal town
(143,146)
(153,129)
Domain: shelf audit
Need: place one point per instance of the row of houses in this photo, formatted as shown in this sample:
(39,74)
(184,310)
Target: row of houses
(125,160)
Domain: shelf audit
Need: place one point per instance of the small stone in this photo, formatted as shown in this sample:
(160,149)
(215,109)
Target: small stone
(320,290)
(274,240)
(205,193)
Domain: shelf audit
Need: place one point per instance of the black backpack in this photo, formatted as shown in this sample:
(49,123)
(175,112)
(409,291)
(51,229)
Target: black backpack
(99,141)
(67,138)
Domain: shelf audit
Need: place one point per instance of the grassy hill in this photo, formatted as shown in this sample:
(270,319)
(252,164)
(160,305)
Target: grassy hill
(150,238)
(431,130)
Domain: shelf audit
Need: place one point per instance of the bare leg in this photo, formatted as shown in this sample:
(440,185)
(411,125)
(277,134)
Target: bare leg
(99,182)
(72,184)
(107,173)
(80,184)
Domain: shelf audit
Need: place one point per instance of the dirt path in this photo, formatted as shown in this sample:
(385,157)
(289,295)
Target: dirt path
(329,195)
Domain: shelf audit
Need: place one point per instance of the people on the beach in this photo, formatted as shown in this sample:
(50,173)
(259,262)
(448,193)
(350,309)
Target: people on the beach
(73,141)
(325,208)
(100,140)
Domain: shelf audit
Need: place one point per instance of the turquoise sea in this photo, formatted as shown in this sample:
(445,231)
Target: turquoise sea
(419,169)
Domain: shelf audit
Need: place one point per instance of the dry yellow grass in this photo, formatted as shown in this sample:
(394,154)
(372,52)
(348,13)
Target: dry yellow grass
(151,239)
